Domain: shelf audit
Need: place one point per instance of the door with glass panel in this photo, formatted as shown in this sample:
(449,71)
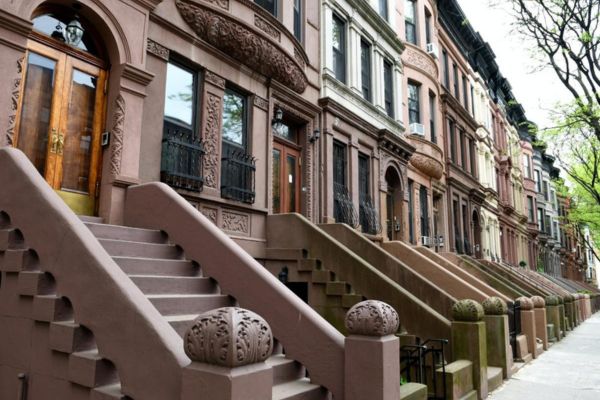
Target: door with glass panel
(60,122)
(286,179)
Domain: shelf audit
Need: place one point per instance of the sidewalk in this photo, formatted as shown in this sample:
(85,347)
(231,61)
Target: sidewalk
(570,370)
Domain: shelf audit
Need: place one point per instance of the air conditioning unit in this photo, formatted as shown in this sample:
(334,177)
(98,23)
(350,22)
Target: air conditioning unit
(426,241)
(432,50)
(417,129)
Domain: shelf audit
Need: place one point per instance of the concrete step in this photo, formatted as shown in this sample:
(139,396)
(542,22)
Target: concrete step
(308,264)
(31,283)
(87,218)
(50,308)
(89,369)
(285,369)
(494,378)
(472,395)
(154,266)
(348,300)
(152,284)
(413,391)
(121,248)
(70,337)
(526,358)
(118,232)
(337,288)
(285,254)
(459,379)
(300,389)
(108,392)
(171,304)
(181,323)
(321,276)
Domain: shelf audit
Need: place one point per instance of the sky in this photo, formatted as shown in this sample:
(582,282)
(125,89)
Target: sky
(537,90)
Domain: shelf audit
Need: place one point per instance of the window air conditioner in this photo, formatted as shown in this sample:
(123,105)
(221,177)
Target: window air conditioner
(417,129)
(432,50)
(426,241)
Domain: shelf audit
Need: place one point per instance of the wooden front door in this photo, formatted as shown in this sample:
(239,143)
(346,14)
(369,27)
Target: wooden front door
(286,178)
(60,122)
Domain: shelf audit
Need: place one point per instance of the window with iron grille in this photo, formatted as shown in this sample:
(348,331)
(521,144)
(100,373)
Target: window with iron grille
(410,21)
(414,103)
(181,152)
(339,48)
(343,208)
(368,217)
(458,245)
(365,69)
(465,218)
(424,211)
(432,131)
(269,5)
(388,88)
(237,165)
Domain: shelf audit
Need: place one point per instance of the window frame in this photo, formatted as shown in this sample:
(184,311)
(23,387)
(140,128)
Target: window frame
(245,117)
(452,140)
(340,55)
(411,25)
(414,104)
(456,84)
(388,88)
(383,9)
(446,65)
(432,125)
(365,45)
(298,20)
(275,11)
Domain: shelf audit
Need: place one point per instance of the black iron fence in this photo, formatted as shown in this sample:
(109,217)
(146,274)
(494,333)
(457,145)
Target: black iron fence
(343,208)
(181,159)
(368,216)
(237,175)
(514,325)
(420,362)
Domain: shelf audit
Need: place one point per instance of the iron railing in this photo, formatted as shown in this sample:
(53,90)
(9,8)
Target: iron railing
(422,361)
(368,216)
(181,159)
(237,175)
(514,325)
(343,208)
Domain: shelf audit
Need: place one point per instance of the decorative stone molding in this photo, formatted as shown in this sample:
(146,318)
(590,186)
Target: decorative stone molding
(243,44)
(234,222)
(158,50)
(210,140)
(210,213)
(14,102)
(417,59)
(427,165)
(551,300)
(224,4)
(117,136)
(266,27)
(229,337)
(372,318)
(299,58)
(526,303)
(261,103)
(494,306)
(214,79)
(467,310)
(538,302)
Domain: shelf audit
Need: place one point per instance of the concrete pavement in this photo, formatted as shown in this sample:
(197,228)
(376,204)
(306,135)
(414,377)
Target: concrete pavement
(570,370)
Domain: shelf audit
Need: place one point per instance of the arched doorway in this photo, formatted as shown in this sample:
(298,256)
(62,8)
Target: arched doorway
(394,201)
(61,113)
(476,235)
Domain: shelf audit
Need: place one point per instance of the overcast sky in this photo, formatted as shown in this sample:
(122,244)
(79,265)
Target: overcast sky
(537,90)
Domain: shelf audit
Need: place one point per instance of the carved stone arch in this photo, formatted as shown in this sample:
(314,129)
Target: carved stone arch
(386,163)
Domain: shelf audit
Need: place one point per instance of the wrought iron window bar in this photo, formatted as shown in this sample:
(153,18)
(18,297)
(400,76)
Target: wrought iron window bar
(514,325)
(419,363)
(368,216)
(181,159)
(343,208)
(238,175)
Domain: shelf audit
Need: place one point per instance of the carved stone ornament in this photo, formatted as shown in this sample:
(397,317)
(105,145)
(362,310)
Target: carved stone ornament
(224,4)
(14,103)
(552,300)
(214,79)
(467,310)
(117,136)
(568,298)
(229,337)
(234,222)
(266,27)
(419,60)
(494,306)
(243,44)
(261,103)
(212,136)
(526,303)
(158,50)
(538,301)
(427,165)
(372,318)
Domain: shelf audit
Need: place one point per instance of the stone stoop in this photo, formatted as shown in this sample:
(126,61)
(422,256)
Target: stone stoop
(494,378)
(523,353)
(179,291)
(413,391)
(459,380)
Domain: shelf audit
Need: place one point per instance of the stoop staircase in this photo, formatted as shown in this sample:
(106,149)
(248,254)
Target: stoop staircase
(179,291)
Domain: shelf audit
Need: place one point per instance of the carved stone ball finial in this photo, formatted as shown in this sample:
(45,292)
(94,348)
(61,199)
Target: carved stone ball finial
(568,298)
(494,306)
(526,303)
(229,337)
(467,311)
(372,318)
(587,296)
(552,300)
(560,300)
(538,302)
(576,296)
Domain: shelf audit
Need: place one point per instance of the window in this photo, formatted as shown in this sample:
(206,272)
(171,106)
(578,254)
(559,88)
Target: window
(383,9)
(540,215)
(432,117)
(410,21)
(463,153)
(180,97)
(472,155)
(456,223)
(365,69)
(472,100)
(343,209)
(465,220)
(298,19)
(527,165)
(427,26)
(424,211)
(530,210)
(465,96)
(414,103)
(367,213)
(237,166)
(455,77)
(446,69)
(452,140)
(545,190)
(411,206)
(339,48)
(388,88)
(538,183)
(269,5)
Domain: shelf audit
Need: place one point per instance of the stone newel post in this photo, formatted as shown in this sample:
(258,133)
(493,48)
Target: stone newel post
(541,322)
(228,347)
(528,325)
(553,315)
(372,362)
(499,352)
(469,341)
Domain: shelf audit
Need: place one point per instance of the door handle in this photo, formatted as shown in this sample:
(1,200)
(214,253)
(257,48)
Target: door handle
(61,144)
(54,141)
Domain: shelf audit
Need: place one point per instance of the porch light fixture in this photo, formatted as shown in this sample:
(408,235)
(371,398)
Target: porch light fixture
(277,122)
(74,32)
(58,33)
(315,136)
